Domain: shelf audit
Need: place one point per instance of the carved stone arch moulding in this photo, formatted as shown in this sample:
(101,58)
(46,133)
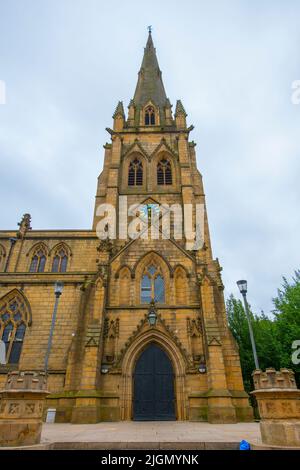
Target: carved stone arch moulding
(135,154)
(36,246)
(163,153)
(121,269)
(180,267)
(148,105)
(17,296)
(164,147)
(146,259)
(60,245)
(41,251)
(135,148)
(159,337)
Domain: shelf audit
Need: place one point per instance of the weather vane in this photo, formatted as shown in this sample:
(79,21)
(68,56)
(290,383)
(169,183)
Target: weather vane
(150,29)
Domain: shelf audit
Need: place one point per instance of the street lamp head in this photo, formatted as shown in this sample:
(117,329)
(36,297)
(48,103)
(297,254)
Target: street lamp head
(152,315)
(58,288)
(242,285)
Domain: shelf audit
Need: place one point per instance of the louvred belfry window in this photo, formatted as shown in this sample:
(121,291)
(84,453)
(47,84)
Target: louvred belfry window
(164,172)
(135,173)
(149,116)
(13,321)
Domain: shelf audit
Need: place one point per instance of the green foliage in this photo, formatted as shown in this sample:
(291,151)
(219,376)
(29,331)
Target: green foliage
(273,336)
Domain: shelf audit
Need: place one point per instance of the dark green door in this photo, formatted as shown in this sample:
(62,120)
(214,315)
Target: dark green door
(153,398)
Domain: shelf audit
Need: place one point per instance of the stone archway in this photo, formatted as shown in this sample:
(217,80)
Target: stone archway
(131,356)
(153,386)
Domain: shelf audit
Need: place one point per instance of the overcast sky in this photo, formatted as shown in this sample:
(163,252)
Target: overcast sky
(66,63)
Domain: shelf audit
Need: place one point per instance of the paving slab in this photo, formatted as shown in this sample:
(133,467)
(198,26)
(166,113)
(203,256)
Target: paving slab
(150,432)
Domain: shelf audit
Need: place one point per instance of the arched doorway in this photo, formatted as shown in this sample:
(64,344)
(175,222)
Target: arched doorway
(153,385)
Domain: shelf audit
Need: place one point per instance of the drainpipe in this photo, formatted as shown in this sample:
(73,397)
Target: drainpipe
(12,243)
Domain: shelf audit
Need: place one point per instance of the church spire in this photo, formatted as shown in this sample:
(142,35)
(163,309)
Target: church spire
(150,86)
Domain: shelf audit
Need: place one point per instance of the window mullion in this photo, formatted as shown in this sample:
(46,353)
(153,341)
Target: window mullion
(11,340)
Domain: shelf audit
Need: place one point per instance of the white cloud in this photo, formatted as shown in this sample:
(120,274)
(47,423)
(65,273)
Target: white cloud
(66,64)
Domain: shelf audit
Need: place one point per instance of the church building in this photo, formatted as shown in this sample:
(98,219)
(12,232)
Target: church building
(141,330)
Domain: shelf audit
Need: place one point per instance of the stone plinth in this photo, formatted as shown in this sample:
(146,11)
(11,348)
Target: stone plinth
(21,408)
(279,406)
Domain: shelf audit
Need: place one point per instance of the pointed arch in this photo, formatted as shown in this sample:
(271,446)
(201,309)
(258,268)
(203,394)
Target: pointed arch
(134,168)
(144,259)
(15,317)
(149,117)
(128,364)
(124,285)
(164,172)
(39,254)
(135,172)
(117,273)
(152,277)
(60,257)
(181,285)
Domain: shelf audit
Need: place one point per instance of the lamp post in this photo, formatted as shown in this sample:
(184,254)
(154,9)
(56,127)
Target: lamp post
(242,285)
(58,288)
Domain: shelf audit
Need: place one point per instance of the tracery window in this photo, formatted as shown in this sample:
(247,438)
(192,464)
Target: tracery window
(13,321)
(60,260)
(38,260)
(152,285)
(164,172)
(135,173)
(149,116)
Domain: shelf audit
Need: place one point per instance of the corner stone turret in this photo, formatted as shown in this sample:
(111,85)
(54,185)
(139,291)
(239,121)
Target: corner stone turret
(279,406)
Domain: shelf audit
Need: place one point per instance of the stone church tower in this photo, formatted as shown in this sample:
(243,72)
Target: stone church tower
(141,330)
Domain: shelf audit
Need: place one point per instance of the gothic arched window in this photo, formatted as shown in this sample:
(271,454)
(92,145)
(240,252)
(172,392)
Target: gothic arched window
(149,116)
(164,172)
(152,286)
(60,260)
(38,260)
(13,321)
(135,173)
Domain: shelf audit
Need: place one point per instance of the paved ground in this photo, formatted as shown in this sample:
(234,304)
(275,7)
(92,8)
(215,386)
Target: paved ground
(129,431)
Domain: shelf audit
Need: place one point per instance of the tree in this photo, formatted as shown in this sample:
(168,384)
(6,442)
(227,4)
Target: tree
(287,320)
(273,335)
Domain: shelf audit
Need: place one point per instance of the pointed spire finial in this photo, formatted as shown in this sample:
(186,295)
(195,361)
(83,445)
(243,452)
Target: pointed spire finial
(150,85)
(149,28)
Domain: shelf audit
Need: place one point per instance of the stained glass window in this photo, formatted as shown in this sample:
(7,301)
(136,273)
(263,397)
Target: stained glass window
(38,261)
(13,320)
(60,261)
(152,286)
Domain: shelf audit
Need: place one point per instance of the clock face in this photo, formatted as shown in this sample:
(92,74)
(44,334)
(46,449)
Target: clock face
(148,209)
